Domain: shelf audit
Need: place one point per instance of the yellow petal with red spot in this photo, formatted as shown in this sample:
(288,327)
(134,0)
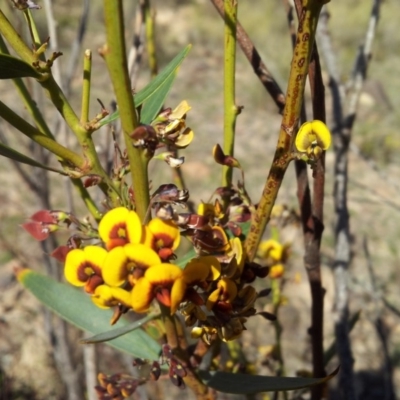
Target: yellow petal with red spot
(228,289)
(119,227)
(81,264)
(121,261)
(155,278)
(165,234)
(105,297)
(212,299)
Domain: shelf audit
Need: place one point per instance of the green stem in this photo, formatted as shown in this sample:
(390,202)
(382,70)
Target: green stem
(87,73)
(83,135)
(173,339)
(308,21)
(32,29)
(41,124)
(85,196)
(114,53)
(230,109)
(33,133)
(12,37)
(30,105)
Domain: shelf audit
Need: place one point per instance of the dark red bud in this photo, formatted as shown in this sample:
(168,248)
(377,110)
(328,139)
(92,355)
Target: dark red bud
(45,216)
(60,253)
(37,230)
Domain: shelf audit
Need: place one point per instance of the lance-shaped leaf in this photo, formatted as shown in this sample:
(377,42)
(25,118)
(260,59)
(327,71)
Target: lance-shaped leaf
(154,94)
(11,67)
(76,307)
(115,333)
(8,152)
(228,382)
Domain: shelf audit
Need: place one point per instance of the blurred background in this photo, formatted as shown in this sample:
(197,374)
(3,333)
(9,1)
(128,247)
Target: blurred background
(27,366)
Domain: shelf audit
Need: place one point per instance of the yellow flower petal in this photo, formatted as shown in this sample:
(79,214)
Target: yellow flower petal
(81,264)
(180,111)
(105,297)
(119,227)
(206,209)
(312,134)
(164,235)
(205,268)
(237,252)
(276,271)
(177,294)
(184,139)
(226,292)
(271,248)
(228,289)
(122,261)
(142,295)
(155,278)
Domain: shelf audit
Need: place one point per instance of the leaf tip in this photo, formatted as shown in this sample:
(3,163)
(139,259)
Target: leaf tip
(21,272)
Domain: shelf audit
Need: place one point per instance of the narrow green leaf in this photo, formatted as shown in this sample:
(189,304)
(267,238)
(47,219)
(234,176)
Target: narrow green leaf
(156,91)
(114,333)
(76,307)
(8,152)
(153,104)
(227,382)
(11,67)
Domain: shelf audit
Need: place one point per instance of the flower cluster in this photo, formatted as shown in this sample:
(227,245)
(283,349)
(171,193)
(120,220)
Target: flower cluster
(134,266)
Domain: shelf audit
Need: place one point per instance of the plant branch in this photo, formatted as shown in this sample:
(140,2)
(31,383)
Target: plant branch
(15,41)
(291,113)
(33,133)
(87,73)
(255,60)
(114,54)
(342,138)
(174,340)
(231,111)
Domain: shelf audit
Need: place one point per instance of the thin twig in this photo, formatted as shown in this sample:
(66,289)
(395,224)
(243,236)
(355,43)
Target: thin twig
(311,208)
(136,51)
(381,329)
(251,53)
(342,136)
(342,234)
